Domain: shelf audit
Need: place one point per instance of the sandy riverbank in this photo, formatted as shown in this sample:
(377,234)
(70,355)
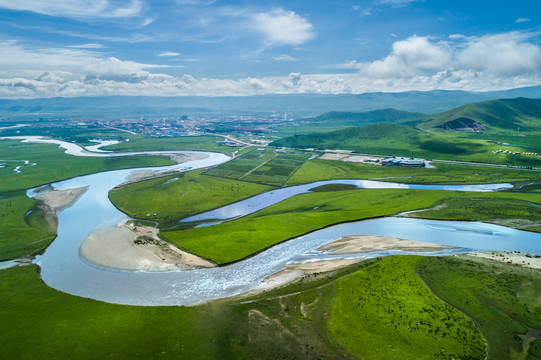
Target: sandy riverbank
(510,257)
(182,158)
(136,248)
(366,243)
(57,200)
(346,245)
(146,174)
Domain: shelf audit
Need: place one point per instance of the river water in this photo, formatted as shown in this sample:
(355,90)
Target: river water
(62,268)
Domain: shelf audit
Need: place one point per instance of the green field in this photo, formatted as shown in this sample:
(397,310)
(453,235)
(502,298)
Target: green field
(263,166)
(379,306)
(301,214)
(178,196)
(239,167)
(202,143)
(53,164)
(402,140)
(278,170)
(503,300)
(387,312)
(80,135)
(315,170)
(509,212)
(22,233)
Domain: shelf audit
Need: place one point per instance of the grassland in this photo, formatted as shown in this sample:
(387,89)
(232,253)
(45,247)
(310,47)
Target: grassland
(386,312)
(23,233)
(503,300)
(315,170)
(178,196)
(402,140)
(202,143)
(80,135)
(53,165)
(520,214)
(337,315)
(262,166)
(301,214)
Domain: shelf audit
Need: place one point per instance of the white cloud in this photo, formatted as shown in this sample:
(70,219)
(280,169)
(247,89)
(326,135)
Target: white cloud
(379,4)
(491,62)
(169,54)
(147,22)
(77,8)
(87,46)
(522,20)
(281,27)
(501,55)
(285,57)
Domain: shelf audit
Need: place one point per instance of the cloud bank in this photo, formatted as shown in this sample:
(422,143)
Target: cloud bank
(77,8)
(490,62)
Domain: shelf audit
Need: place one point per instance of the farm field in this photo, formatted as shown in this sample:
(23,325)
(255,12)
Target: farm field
(265,166)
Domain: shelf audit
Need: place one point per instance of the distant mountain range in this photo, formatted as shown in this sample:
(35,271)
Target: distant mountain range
(297,105)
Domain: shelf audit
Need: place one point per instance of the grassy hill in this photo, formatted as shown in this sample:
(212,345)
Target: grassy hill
(356,119)
(473,132)
(337,120)
(507,116)
(381,138)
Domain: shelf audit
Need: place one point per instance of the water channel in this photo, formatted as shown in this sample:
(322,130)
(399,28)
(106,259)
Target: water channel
(63,269)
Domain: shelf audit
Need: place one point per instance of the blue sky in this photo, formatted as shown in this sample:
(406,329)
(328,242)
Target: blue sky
(212,47)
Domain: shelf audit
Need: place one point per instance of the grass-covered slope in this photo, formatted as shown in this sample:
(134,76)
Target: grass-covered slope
(504,300)
(499,116)
(378,309)
(379,137)
(387,312)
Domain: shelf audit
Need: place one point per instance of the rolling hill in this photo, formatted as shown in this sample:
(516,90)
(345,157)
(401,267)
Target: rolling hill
(474,132)
(506,116)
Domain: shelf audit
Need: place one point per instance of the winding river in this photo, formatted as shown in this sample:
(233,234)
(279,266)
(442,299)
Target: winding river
(63,269)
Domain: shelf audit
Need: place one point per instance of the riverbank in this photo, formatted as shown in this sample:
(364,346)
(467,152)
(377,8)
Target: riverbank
(57,200)
(511,257)
(346,245)
(368,243)
(136,248)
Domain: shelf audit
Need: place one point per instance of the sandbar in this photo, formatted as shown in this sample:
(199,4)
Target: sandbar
(57,200)
(367,243)
(136,248)
(346,245)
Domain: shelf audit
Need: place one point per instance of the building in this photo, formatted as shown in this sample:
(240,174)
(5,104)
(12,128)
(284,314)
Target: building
(402,162)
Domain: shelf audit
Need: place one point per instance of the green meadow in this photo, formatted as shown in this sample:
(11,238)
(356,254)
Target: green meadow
(315,170)
(178,196)
(23,226)
(23,232)
(236,239)
(401,307)
(201,143)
